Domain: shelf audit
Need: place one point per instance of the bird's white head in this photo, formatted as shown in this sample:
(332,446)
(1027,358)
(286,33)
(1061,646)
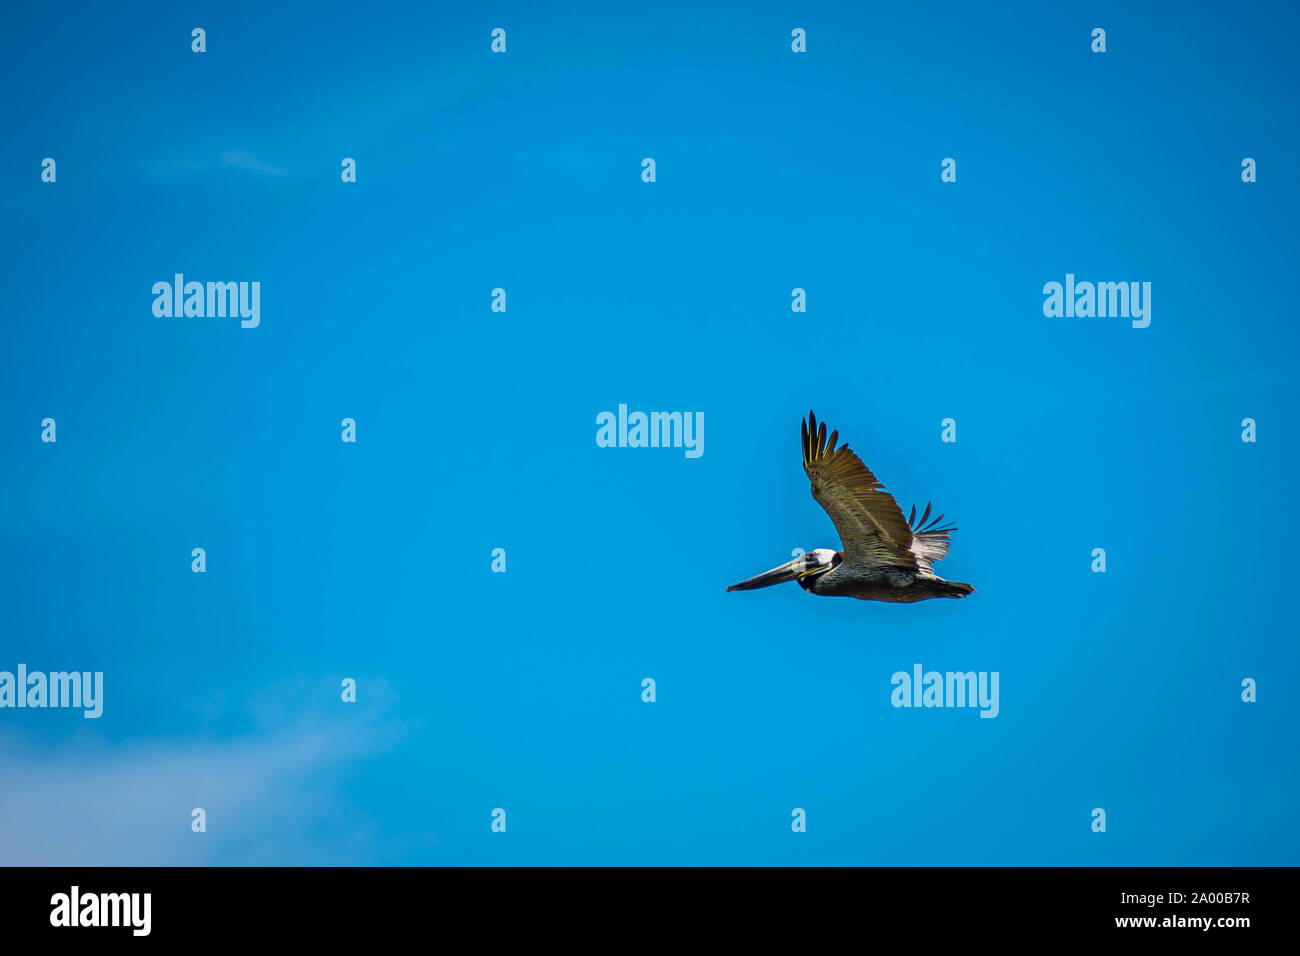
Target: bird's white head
(821,558)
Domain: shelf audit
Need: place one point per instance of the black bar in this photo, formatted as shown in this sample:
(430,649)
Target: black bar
(331,905)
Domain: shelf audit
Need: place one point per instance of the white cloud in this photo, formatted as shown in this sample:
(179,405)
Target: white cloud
(267,797)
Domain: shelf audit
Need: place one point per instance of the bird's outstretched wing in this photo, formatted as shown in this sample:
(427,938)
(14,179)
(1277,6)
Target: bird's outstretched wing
(870,524)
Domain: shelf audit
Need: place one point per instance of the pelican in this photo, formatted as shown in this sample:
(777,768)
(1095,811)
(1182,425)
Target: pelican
(885,557)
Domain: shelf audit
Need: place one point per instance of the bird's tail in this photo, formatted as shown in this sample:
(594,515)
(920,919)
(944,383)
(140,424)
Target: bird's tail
(956,589)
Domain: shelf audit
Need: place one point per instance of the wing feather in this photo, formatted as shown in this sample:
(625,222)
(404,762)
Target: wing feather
(871,526)
(929,542)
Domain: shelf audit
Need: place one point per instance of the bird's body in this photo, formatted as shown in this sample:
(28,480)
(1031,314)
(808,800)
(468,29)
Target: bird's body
(886,557)
(883,583)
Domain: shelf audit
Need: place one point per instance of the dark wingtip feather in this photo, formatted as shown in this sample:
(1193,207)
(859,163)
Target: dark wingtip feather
(933,525)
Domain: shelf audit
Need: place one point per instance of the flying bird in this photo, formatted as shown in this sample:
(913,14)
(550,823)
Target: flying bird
(886,557)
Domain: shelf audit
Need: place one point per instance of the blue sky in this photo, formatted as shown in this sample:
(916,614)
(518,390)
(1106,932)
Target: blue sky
(476,430)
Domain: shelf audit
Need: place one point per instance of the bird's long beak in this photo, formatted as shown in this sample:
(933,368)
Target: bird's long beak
(786,572)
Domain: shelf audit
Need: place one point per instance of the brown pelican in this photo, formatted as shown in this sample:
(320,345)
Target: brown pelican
(885,557)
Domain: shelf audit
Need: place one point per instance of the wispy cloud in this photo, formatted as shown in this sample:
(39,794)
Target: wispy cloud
(226,159)
(242,160)
(265,794)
